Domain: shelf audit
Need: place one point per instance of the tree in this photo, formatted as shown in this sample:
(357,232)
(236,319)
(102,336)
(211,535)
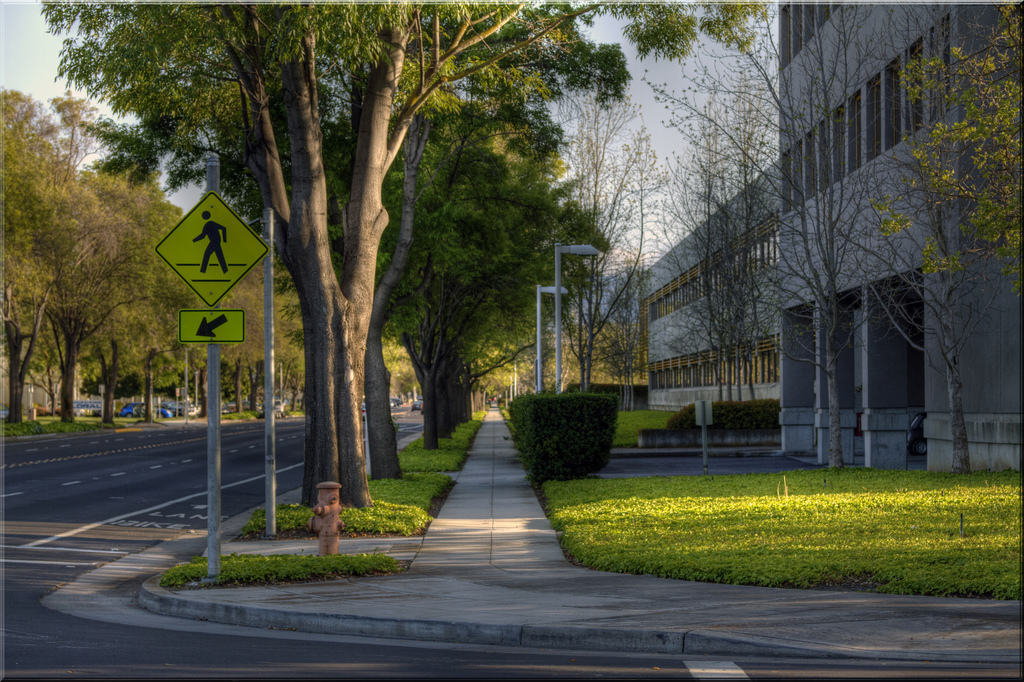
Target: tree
(273,62)
(957,216)
(37,149)
(802,100)
(614,176)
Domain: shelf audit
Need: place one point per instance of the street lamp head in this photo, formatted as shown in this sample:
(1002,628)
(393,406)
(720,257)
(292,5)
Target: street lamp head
(579,250)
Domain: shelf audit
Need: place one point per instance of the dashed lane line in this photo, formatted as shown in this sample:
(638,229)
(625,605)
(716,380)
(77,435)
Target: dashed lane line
(715,670)
(120,517)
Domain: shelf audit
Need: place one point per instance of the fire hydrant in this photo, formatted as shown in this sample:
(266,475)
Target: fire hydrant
(326,522)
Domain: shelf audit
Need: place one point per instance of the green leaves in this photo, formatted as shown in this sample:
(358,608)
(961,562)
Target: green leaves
(254,569)
(895,530)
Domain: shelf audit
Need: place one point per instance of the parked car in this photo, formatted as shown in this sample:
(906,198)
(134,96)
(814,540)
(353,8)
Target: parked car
(129,410)
(396,402)
(4,411)
(416,405)
(917,444)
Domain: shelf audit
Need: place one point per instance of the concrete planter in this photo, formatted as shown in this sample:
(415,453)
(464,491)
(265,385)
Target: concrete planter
(690,438)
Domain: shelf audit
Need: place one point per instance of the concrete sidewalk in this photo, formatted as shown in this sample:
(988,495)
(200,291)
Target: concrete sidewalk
(490,571)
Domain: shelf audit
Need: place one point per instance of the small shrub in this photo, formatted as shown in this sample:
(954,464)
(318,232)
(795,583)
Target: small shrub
(562,437)
(254,569)
(731,414)
(34,428)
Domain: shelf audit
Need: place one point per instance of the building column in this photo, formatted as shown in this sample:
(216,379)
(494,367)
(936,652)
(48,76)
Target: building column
(884,384)
(847,416)
(796,384)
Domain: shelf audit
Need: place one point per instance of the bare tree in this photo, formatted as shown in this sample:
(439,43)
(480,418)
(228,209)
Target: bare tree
(616,178)
(936,268)
(803,97)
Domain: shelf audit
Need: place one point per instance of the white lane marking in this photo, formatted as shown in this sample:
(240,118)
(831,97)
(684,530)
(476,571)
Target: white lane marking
(251,447)
(58,563)
(11,494)
(71,483)
(157,466)
(715,670)
(119,473)
(69,549)
(93,442)
(121,517)
(232,450)
(32,450)
(185,460)
(68,445)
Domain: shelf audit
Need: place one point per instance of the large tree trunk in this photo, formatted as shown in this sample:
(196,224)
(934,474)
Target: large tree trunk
(150,355)
(238,385)
(108,374)
(67,378)
(382,438)
(835,431)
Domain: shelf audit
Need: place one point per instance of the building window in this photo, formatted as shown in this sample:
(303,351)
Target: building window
(824,165)
(893,105)
(798,167)
(874,117)
(797,32)
(838,121)
(853,132)
(915,108)
(784,46)
(787,187)
(810,176)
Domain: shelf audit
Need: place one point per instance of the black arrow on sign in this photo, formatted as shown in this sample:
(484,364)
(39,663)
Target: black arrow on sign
(206,328)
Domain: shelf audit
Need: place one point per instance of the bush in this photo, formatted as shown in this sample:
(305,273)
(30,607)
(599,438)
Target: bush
(255,569)
(33,428)
(639,390)
(562,437)
(730,414)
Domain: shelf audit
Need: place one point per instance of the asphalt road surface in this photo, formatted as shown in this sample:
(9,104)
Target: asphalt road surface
(73,503)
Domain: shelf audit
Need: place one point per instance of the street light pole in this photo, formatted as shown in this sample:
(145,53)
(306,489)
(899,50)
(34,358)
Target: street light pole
(540,364)
(577,250)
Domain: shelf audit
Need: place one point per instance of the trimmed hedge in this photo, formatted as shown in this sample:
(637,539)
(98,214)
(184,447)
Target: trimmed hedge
(563,437)
(730,414)
(639,390)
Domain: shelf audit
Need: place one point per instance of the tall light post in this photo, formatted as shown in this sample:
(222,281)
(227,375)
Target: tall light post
(540,365)
(576,250)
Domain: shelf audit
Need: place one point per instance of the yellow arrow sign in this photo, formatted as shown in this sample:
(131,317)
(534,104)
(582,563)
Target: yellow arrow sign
(211,248)
(211,326)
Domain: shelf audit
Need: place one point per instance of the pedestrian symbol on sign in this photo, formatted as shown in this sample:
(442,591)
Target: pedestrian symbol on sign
(210,221)
(213,232)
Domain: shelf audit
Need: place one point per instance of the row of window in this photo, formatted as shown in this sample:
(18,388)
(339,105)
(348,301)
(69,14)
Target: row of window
(707,368)
(798,24)
(881,111)
(758,250)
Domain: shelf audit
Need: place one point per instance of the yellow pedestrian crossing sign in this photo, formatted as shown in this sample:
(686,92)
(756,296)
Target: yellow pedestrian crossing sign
(219,325)
(211,248)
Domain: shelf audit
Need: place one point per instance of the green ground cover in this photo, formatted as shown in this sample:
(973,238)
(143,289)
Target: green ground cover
(627,428)
(450,453)
(244,414)
(41,426)
(894,531)
(254,569)
(400,506)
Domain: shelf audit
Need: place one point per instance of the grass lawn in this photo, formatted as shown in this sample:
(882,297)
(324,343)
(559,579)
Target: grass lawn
(892,531)
(627,428)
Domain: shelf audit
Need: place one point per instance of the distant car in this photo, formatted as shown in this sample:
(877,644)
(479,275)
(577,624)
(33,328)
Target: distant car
(4,411)
(917,444)
(396,402)
(129,410)
(416,405)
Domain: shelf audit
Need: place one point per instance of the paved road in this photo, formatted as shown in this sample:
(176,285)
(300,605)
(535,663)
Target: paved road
(73,503)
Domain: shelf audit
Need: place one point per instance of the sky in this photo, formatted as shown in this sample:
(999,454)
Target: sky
(31,57)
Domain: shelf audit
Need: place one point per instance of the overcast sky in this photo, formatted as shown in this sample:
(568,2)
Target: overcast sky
(31,57)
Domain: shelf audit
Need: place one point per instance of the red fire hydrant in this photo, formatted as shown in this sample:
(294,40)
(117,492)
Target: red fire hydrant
(326,522)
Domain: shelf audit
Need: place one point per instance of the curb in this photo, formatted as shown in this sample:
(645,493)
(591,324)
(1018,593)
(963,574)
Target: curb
(697,642)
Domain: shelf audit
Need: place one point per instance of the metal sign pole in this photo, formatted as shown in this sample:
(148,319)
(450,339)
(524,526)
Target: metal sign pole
(212,423)
(269,404)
